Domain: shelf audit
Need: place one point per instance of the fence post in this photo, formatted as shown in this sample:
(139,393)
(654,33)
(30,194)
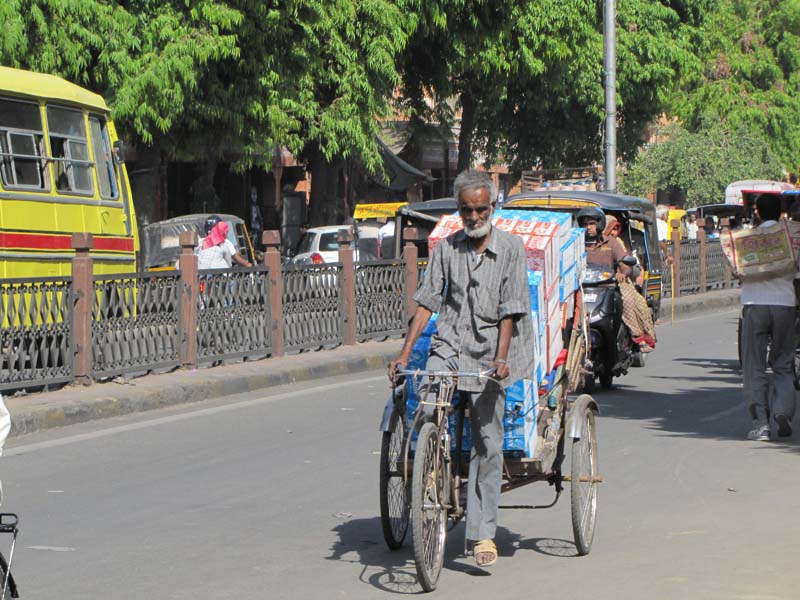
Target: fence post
(83,294)
(349,285)
(411,257)
(190,293)
(272,260)
(701,237)
(676,257)
(724,227)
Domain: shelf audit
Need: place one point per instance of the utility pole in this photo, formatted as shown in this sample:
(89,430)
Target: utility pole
(610,70)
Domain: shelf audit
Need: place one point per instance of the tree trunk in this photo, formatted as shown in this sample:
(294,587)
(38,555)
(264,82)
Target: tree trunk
(446,164)
(467,129)
(325,206)
(147,179)
(277,173)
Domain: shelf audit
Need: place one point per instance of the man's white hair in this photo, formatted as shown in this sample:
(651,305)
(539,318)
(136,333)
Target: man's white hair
(662,211)
(475,180)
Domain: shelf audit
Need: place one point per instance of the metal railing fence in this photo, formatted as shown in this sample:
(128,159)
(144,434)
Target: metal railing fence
(91,327)
(136,323)
(233,317)
(312,303)
(35,332)
(380,297)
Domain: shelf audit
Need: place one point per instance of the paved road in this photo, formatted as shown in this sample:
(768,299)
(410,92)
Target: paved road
(275,496)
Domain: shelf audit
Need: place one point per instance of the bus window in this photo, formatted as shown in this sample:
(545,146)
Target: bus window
(21,146)
(70,150)
(103,158)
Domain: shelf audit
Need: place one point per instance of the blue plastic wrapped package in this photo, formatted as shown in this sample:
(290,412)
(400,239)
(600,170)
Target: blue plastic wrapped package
(519,424)
(572,250)
(418,360)
(569,283)
(536,291)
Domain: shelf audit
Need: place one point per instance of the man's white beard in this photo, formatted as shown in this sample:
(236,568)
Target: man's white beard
(478,232)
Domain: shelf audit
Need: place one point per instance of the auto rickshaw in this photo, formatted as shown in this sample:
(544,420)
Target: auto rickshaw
(735,213)
(422,215)
(789,201)
(161,246)
(636,215)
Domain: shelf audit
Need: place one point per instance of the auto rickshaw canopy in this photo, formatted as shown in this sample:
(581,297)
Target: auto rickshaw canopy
(160,240)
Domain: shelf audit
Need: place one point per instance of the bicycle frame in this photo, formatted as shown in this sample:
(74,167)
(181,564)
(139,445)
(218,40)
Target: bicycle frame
(447,382)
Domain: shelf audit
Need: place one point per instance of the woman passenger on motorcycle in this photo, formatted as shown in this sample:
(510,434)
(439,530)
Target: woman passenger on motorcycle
(608,252)
(612,231)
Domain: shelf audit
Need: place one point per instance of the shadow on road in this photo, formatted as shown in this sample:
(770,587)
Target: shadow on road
(361,541)
(689,396)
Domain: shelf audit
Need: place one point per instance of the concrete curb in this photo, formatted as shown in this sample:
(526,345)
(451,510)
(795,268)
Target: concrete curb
(700,303)
(78,404)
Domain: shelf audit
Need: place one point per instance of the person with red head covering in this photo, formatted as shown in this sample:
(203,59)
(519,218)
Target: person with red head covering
(217,251)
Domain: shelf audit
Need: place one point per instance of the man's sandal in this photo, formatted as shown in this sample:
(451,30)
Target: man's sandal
(485,553)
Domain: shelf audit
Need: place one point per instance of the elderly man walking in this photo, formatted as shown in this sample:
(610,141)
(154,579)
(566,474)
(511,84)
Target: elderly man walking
(476,280)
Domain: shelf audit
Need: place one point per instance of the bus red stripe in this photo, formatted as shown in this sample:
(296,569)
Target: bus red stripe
(39,241)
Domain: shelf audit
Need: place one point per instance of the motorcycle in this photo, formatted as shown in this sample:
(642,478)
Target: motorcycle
(612,350)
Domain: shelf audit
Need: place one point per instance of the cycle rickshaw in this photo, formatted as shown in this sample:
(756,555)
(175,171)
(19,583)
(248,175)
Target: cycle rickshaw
(423,488)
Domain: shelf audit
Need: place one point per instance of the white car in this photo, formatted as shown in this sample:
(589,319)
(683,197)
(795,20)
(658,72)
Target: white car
(320,245)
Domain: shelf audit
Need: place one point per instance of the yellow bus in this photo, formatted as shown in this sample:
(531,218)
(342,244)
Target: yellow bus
(60,172)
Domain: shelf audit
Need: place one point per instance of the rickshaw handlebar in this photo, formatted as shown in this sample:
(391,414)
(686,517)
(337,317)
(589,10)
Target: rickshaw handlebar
(487,374)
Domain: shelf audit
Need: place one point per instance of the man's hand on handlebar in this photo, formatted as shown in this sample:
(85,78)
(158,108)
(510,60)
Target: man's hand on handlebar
(501,370)
(399,362)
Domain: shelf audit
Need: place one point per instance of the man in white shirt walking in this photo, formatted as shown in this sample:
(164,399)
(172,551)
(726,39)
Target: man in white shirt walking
(662,229)
(768,319)
(216,251)
(691,227)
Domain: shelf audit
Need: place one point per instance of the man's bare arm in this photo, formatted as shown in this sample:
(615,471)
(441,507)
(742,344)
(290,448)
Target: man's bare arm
(241,260)
(503,343)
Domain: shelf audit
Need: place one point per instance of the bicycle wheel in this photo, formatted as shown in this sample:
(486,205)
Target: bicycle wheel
(393,494)
(583,489)
(428,515)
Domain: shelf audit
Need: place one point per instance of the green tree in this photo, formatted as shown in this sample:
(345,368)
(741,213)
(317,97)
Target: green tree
(216,79)
(702,163)
(750,79)
(528,76)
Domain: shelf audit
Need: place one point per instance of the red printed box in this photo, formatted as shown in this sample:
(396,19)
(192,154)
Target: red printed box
(540,252)
(504,224)
(446,227)
(536,228)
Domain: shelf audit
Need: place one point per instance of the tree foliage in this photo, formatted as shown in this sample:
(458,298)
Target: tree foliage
(233,79)
(750,79)
(702,163)
(531,73)
(199,77)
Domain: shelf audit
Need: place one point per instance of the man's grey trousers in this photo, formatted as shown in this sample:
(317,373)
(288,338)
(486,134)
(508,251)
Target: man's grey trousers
(764,325)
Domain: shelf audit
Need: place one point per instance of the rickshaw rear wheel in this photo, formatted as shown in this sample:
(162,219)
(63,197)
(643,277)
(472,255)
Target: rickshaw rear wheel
(584,472)
(393,489)
(428,513)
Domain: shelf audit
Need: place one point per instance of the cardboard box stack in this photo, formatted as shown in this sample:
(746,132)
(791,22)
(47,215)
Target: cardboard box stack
(556,258)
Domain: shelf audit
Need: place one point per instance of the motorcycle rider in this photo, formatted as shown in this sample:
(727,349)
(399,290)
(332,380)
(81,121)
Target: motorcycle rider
(600,251)
(608,253)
